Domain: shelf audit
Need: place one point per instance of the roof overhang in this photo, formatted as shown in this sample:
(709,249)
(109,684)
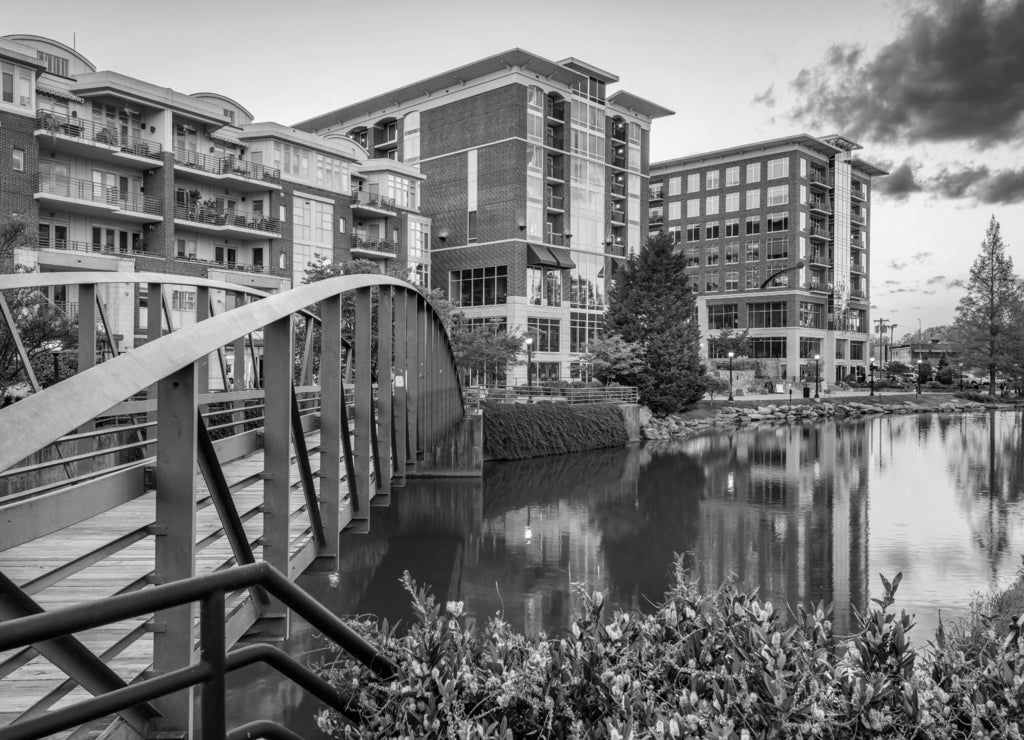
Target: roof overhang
(802,140)
(338,146)
(636,104)
(867,168)
(383,164)
(589,70)
(454,78)
(130,89)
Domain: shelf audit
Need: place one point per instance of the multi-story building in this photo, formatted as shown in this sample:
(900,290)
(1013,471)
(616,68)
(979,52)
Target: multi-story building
(114,173)
(537,189)
(775,236)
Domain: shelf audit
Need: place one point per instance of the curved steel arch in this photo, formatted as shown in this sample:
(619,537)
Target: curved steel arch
(77,400)
(19,280)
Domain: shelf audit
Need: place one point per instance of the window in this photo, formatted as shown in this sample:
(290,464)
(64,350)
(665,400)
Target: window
(732,176)
(732,280)
(675,186)
(753,251)
(778,195)
(732,227)
(780,281)
(419,239)
(545,333)
(693,257)
(17,85)
(762,315)
(778,222)
(809,347)
(753,226)
(751,278)
(183,300)
(711,282)
(778,168)
(711,230)
(403,190)
(778,248)
(693,208)
(723,316)
(711,256)
(693,183)
(675,210)
(544,286)
(583,330)
(711,179)
(675,234)
(471,227)
(754,172)
(812,315)
(711,205)
(767,347)
(54,64)
(18,160)
(692,232)
(732,253)
(732,201)
(856,350)
(186,248)
(314,221)
(479,286)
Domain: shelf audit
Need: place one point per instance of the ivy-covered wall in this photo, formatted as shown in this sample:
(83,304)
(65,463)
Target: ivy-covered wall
(513,431)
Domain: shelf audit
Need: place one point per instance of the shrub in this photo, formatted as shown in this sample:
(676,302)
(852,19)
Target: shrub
(722,665)
(976,396)
(513,431)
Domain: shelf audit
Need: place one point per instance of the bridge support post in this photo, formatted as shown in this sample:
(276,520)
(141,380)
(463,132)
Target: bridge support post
(177,417)
(277,409)
(362,400)
(422,384)
(385,311)
(399,408)
(202,314)
(331,398)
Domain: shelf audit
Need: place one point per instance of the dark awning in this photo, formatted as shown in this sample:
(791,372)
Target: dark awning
(538,254)
(618,263)
(562,257)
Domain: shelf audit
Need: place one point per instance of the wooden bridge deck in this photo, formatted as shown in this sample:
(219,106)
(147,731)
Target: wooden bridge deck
(30,684)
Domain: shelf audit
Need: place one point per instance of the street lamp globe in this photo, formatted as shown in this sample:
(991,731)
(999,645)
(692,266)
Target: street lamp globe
(871,368)
(817,379)
(731,355)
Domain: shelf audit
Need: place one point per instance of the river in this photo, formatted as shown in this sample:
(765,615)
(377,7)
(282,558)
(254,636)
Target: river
(803,513)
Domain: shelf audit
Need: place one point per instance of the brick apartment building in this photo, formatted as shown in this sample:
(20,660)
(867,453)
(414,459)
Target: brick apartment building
(536,186)
(793,212)
(114,173)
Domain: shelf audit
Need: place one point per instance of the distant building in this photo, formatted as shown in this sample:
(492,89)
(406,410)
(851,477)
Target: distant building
(536,185)
(793,212)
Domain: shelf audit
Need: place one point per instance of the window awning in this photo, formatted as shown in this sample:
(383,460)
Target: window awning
(538,254)
(562,257)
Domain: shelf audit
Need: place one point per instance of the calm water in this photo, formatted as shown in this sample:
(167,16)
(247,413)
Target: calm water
(804,513)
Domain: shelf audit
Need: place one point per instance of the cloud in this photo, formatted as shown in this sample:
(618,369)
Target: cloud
(957,283)
(767,98)
(901,181)
(896,264)
(957,183)
(953,73)
(936,280)
(892,282)
(928,292)
(918,256)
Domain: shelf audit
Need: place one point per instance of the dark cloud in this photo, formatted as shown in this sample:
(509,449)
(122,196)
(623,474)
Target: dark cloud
(767,98)
(896,264)
(928,292)
(978,183)
(957,283)
(936,280)
(954,73)
(901,181)
(957,182)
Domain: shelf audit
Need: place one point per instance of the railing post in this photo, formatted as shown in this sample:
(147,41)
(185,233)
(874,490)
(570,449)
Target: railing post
(331,399)
(238,373)
(363,397)
(384,371)
(86,360)
(400,409)
(422,380)
(177,418)
(211,652)
(203,364)
(277,379)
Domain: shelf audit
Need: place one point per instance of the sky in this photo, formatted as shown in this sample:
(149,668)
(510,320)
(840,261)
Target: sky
(932,89)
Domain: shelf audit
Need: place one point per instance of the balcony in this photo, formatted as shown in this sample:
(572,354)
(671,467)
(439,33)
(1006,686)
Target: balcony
(230,223)
(655,218)
(819,178)
(85,196)
(858,217)
(555,238)
(821,205)
(70,245)
(655,193)
(555,172)
(617,132)
(226,171)
(373,204)
(225,265)
(619,161)
(858,193)
(615,250)
(386,138)
(372,246)
(617,215)
(819,231)
(818,257)
(555,113)
(857,266)
(618,190)
(555,203)
(857,242)
(555,142)
(819,286)
(858,293)
(94,141)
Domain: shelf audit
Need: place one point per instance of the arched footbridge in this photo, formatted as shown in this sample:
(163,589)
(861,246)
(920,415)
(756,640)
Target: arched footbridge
(148,523)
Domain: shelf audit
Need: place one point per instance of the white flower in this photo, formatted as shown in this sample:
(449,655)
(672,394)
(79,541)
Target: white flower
(598,600)
(673,727)
(455,608)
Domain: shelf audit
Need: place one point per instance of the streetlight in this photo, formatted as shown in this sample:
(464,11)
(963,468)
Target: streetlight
(730,374)
(529,369)
(918,378)
(817,395)
(55,347)
(961,377)
(872,368)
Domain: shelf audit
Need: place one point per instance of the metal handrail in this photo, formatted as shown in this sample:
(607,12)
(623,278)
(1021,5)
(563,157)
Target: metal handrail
(214,662)
(375,245)
(57,124)
(202,214)
(77,189)
(226,165)
(77,400)
(373,200)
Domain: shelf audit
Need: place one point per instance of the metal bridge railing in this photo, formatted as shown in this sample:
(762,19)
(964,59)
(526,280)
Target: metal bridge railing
(518,393)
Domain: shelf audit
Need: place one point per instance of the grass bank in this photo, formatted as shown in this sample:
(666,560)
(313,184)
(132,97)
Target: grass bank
(514,431)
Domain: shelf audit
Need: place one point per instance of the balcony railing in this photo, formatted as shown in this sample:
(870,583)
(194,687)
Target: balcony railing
(68,308)
(858,294)
(655,193)
(372,244)
(615,250)
(655,217)
(229,165)
(373,200)
(225,265)
(857,266)
(555,172)
(858,193)
(619,162)
(857,217)
(556,202)
(555,113)
(202,214)
(618,189)
(554,238)
(856,241)
(820,204)
(556,142)
(94,133)
(818,258)
(820,178)
(79,246)
(617,214)
(818,230)
(821,286)
(94,192)
(617,132)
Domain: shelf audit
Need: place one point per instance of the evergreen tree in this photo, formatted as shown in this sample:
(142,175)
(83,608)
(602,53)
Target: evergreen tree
(652,306)
(988,331)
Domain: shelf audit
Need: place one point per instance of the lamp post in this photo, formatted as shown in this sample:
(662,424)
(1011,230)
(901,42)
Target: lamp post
(871,367)
(918,378)
(961,377)
(529,369)
(817,382)
(731,354)
(55,347)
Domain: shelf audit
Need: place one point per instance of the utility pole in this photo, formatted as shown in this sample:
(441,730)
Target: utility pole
(882,326)
(892,338)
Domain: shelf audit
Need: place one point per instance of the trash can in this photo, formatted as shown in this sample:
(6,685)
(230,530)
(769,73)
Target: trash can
(807,391)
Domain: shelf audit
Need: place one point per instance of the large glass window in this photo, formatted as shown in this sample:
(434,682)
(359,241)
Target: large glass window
(675,186)
(753,251)
(732,201)
(693,208)
(544,286)
(754,172)
(583,330)
(313,221)
(812,315)
(732,253)
(586,281)
(764,348)
(753,199)
(711,256)
(762,315)
(693,183)
(711,230)
(723,316)
(778,195)
(479,286)
(732,227)
(732,176)
(17,85)
(545,333)
(692,232)
(778,248)
(711,178)
(711,205)
(778,222)
(711,282)
(778,168)
(809,347)
(732,280)
(403,190)
(675,210)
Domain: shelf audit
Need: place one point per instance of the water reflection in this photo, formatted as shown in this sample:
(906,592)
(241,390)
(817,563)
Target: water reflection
(805,513)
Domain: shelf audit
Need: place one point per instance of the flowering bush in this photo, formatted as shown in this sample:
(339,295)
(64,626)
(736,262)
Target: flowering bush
(720,665)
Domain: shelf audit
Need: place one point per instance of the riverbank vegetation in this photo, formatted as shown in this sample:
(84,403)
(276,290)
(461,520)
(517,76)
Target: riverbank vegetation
(514,431)
(702,665)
